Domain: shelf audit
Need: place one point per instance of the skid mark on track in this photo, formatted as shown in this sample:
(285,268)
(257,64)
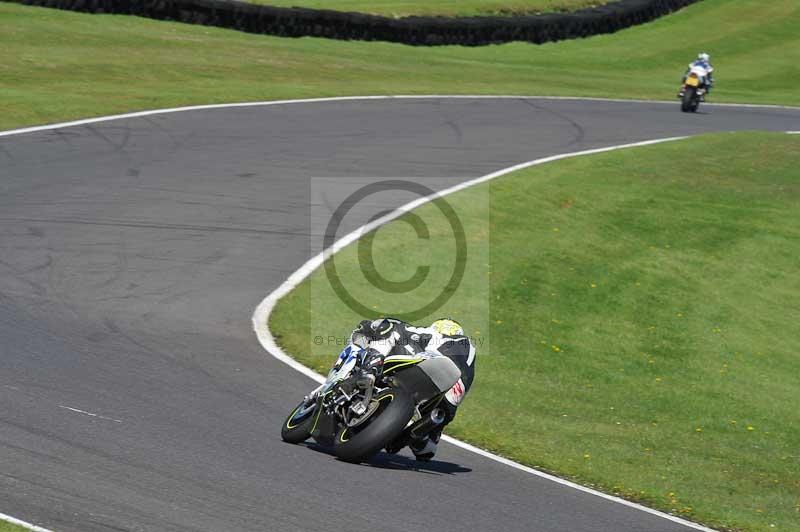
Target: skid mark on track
(580,133)
(147,225)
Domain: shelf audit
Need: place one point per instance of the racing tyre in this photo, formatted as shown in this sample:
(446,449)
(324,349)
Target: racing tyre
(297,427)
(688,104)
(391,412)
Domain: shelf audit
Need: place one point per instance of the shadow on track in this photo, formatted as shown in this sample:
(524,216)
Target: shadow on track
(400,462)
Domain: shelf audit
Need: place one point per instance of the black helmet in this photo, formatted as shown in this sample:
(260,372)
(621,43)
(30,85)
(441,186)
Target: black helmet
(379,329)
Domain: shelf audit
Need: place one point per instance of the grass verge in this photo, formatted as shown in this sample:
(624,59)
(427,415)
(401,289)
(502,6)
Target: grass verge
(404,8)
(5,526)
(644,333)
(92,65)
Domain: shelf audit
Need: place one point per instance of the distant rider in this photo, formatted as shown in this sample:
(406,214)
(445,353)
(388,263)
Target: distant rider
(704,61)
(391,337)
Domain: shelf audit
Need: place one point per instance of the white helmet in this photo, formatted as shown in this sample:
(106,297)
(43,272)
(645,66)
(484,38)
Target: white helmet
(704,57)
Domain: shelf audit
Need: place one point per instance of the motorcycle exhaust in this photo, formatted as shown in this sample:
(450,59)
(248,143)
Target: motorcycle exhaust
(427,424)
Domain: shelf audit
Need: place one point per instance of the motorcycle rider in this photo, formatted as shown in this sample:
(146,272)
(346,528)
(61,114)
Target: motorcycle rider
(704,61)
(386,337)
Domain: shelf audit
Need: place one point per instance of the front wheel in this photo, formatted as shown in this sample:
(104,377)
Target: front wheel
(298,426)
(391,411)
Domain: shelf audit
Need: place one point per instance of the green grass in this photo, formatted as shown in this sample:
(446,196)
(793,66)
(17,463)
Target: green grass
(394,8)
(61,65)
(644,333)
(5,526)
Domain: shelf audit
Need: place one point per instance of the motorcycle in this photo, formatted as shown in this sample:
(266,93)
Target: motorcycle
(359,411)
(694,89)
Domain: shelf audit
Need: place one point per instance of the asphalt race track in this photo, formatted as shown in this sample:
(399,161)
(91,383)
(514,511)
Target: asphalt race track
(134,395)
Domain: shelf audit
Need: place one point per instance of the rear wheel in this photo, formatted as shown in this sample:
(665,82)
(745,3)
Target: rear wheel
(689,100)
(695,104)
(391,411)
(297,427)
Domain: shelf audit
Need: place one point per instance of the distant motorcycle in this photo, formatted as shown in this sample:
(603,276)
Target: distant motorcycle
(359,413)
(694,89)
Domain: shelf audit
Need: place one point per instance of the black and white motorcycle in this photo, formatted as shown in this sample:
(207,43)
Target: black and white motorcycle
(359,413)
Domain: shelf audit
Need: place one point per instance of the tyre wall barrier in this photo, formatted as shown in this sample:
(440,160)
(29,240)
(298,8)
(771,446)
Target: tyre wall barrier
(420,31)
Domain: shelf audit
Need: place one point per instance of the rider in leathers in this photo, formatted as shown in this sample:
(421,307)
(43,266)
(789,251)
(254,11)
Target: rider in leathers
(391,337)
(703,60)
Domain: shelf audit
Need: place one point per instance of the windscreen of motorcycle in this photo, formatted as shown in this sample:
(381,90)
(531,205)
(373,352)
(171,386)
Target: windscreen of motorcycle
(700,71)
(344,364)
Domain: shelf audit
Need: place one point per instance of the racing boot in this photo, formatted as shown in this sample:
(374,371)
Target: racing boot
(424,449)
